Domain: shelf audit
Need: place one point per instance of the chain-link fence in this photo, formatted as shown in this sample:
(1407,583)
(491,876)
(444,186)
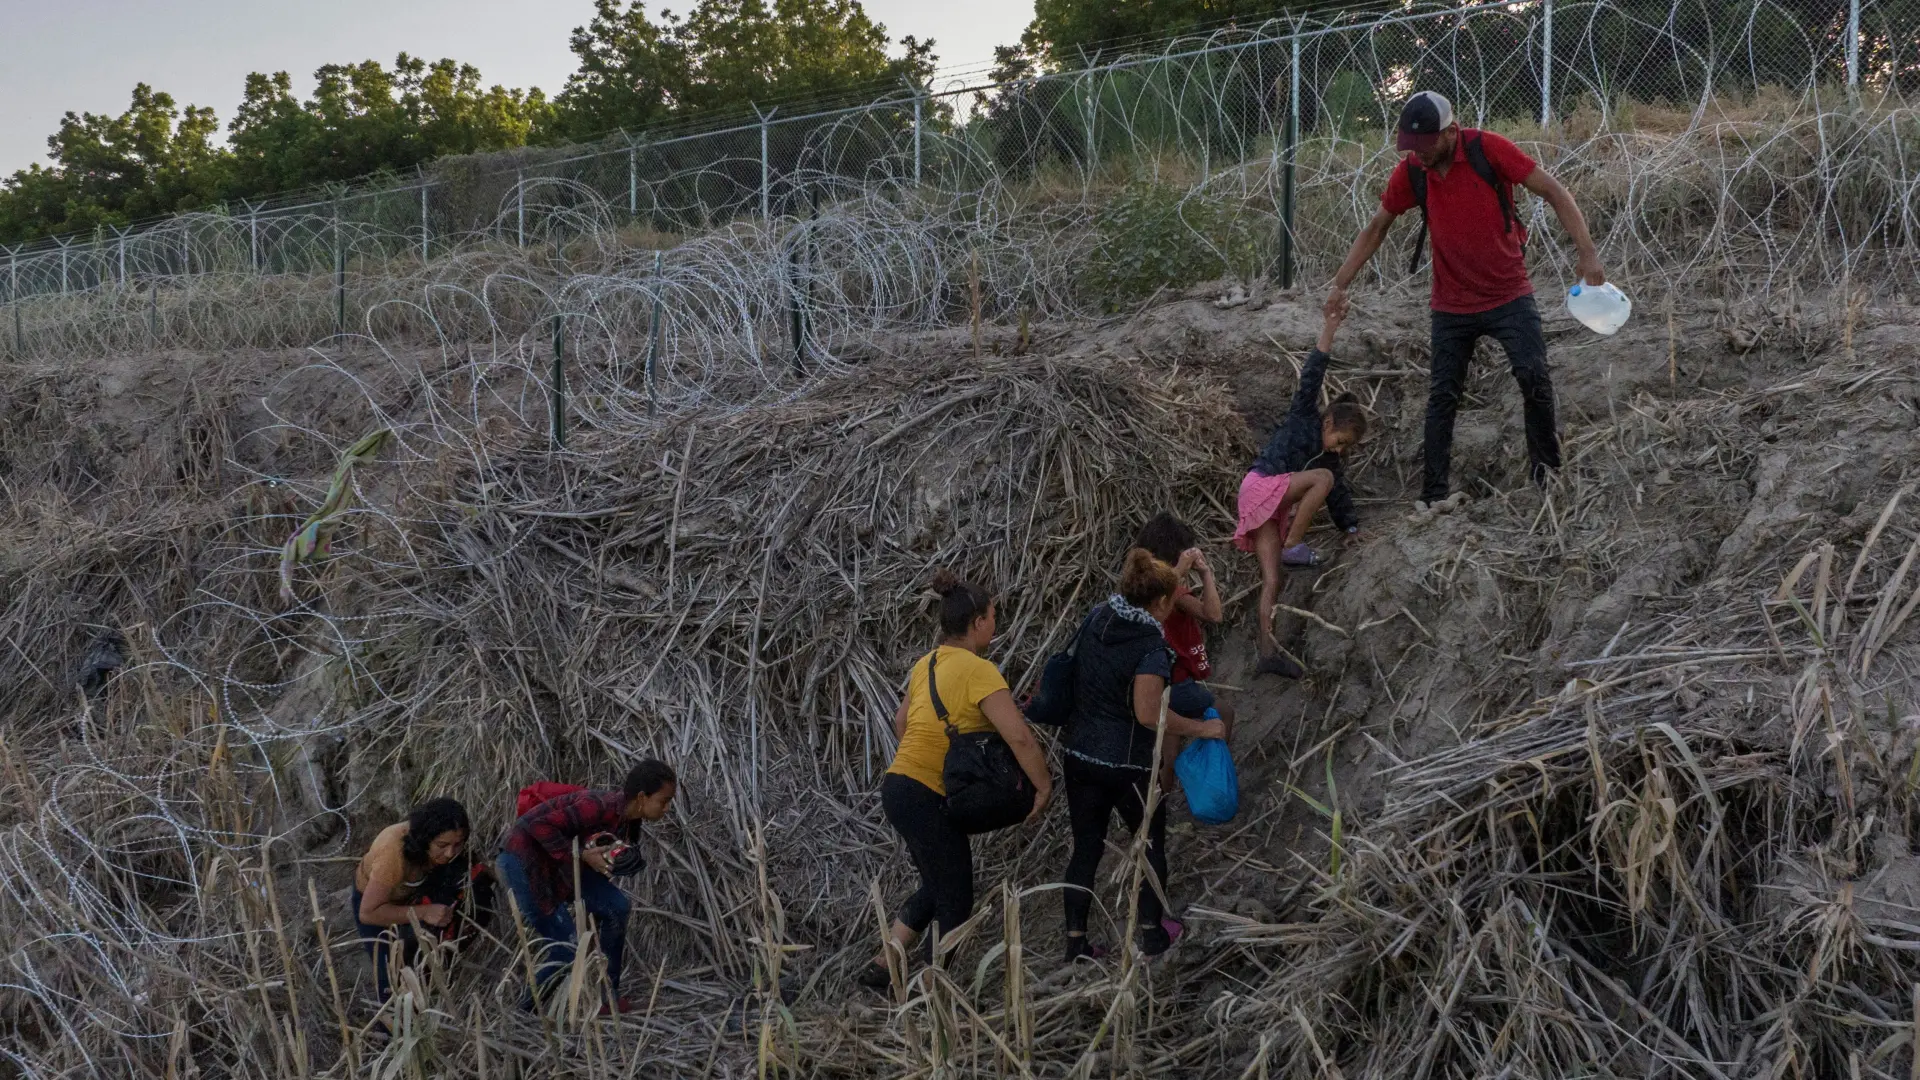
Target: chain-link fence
(1734,140)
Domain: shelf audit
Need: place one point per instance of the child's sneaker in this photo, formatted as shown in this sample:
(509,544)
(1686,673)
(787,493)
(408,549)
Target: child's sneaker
(1300,555)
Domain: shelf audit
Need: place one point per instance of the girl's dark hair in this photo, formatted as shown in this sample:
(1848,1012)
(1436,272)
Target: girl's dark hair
(960,603)
(1348,416)
(1145,579)
(428,820)
(1166,537)
(648,777)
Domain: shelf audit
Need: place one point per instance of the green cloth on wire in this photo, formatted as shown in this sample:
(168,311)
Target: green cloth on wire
(314,534)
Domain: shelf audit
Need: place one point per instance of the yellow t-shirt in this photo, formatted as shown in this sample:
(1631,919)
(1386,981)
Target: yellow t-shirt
(965,680)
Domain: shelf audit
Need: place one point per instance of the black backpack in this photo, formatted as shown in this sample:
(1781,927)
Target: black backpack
(1477,161)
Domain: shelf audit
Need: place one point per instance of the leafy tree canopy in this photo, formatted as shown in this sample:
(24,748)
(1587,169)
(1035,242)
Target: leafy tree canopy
(366,118)
(725,55)
(1072,33)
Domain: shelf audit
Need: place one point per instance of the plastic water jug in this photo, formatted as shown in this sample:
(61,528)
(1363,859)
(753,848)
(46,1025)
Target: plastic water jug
(1600,308)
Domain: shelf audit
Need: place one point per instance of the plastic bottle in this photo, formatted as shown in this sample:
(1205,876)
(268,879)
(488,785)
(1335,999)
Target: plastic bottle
(1602,309)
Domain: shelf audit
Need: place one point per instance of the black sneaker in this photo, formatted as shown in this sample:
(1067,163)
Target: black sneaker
(1279,664)
(1154,940)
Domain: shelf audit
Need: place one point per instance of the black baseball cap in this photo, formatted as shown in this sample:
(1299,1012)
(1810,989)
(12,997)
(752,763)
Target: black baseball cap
(1422,119)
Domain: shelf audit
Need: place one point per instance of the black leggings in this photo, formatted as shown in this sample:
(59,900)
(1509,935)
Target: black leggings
(940,852)
(1094,792)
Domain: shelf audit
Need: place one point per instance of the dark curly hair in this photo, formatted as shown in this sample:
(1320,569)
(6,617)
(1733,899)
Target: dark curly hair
(1166,537)
(648,777)
(428,820)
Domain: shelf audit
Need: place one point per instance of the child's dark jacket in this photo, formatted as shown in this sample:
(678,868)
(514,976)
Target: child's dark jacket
(1296,447)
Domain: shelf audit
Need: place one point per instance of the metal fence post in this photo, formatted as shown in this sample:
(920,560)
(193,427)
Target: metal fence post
(1853,44)
(1287,177)
(557,399)
(520,205)
(13,301)
(1546,63)
(253,238)
(766,169)
(1092,104)
(122,236)
(63,268)
(653,328)
(339,274)
(426,230)
(633,182)
(916,137)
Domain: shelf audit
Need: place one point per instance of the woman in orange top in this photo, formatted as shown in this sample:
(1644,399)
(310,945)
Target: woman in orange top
(977,699)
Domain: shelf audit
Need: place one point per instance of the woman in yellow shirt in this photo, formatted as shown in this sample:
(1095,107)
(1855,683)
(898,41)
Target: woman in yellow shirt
(977,699)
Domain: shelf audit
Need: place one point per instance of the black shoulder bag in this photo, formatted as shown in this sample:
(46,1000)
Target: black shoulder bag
(986,787)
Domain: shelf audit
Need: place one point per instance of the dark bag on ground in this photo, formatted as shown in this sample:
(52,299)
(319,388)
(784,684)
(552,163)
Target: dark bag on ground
(986,787)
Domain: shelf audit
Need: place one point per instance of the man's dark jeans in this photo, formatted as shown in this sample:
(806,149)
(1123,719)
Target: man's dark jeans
(1516,326)
(605,903)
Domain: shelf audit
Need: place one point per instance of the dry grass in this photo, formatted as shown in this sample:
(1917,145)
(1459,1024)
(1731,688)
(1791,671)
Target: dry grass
(1675,861)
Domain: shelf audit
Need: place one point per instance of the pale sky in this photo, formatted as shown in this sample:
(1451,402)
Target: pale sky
(86,55)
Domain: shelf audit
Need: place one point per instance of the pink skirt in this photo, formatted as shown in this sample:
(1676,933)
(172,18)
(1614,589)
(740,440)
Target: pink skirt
(1260,499)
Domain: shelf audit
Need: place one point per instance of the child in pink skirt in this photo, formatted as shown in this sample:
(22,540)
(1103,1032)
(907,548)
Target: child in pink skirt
(1296,474)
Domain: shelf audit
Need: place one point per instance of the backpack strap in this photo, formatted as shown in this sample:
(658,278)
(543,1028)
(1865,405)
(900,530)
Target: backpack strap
(1476,154)
(1477,160)
(933,692)
(1417,177)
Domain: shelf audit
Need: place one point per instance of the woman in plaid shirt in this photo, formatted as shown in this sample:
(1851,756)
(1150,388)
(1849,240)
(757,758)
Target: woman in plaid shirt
(536,865)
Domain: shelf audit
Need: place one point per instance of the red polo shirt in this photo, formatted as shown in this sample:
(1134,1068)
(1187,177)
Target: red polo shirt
(1477,265)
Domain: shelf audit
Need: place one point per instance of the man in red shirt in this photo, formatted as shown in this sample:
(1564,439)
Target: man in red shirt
(1465,179)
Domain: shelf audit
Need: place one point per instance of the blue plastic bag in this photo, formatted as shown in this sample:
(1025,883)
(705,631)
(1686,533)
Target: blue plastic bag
(1212,784)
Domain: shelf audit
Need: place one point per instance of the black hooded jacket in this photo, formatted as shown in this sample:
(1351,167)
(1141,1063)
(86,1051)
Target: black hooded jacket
(1108,656)
(1296,447)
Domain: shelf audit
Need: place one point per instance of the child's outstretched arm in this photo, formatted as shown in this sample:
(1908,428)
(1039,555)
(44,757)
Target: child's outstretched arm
(1329,326)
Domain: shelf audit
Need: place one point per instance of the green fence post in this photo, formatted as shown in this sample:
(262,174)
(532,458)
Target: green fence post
(1286,178)
(653,327)
(339,275)
(557,396)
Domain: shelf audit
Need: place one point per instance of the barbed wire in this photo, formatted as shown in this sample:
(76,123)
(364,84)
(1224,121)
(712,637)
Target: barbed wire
(1213,113)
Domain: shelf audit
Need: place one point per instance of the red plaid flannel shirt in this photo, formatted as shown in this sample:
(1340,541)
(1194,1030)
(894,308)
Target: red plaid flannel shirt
(543,840)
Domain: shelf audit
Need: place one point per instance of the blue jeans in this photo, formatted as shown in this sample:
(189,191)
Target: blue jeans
(382,943)
(1190,699)
(605,903)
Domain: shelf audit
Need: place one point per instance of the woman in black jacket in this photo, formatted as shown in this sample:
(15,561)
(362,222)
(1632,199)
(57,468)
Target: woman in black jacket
(1298,472)
(1122,663)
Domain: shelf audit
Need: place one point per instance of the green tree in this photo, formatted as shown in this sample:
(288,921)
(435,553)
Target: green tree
(109,170)
(364,119)
(749,51)
(630,75)
(726,55)
(1070,33)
